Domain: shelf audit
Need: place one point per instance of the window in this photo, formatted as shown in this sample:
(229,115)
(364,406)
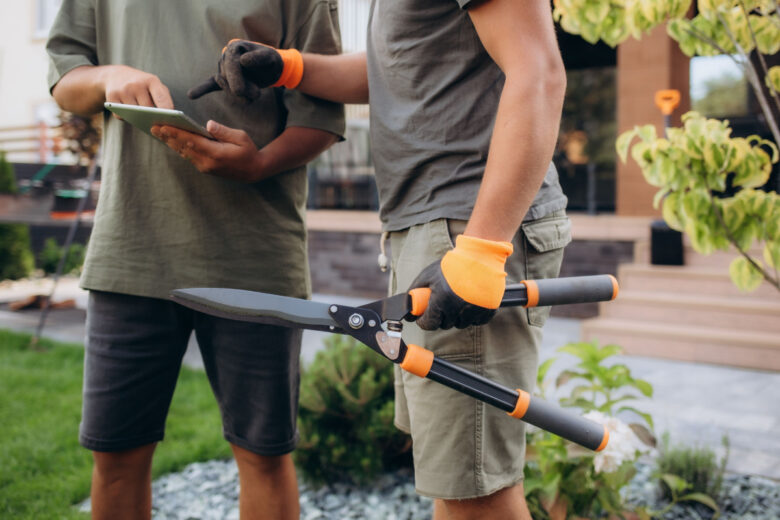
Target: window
(718,87)
(45,11)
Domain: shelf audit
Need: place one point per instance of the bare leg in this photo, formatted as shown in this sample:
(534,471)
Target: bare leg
(506,504)
(269,488)
(122,484)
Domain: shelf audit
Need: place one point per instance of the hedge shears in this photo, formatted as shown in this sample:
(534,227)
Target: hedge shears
(379,324)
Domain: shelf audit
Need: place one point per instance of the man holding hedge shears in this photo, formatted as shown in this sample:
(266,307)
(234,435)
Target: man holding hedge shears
(465,101)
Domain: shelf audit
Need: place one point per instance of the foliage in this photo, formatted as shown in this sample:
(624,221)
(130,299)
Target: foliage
(7,176)
(725,96)
(562,479)
(735,28)
(676,486)
(16,258)
(50,256)
(346,415)
(44,471)
(693,167)
(82,135)
(696,465)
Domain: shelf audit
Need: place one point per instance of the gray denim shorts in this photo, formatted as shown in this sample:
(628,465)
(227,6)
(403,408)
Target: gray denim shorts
(464,448)
(134,351)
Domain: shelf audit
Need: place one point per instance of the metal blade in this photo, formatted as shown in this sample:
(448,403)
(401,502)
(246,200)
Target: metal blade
(272,309)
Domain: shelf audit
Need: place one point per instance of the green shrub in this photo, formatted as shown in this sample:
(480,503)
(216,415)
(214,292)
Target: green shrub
(49,257)
(16,258)
(7,176)
(346,415)
(696,465)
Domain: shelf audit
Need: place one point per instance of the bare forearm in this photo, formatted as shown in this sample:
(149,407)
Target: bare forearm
(341,78)
(522,146)
(82,90)
(294,147)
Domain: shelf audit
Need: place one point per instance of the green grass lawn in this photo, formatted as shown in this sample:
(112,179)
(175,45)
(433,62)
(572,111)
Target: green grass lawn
(43,470)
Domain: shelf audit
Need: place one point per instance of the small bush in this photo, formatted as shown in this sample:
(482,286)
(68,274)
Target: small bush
(16,258)
(695,465)
(50,255)
(346,416)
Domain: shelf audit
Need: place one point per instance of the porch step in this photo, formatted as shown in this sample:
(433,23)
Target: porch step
(721,345)
(675,308)
(692,258)
(686,280)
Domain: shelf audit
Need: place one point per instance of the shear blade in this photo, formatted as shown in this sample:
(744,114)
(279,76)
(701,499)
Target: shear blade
(272,309)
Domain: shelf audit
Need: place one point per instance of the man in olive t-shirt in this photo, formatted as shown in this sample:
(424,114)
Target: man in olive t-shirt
(161,224)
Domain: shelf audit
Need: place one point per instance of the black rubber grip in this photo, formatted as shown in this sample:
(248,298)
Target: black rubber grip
(565,424)
(574,289)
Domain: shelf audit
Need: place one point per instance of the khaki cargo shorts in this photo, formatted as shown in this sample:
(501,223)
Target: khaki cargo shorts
(464,448)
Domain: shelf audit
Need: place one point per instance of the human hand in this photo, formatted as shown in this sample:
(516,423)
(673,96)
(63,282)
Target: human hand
(245,68)
(231,154)
(123,84)
(466,285)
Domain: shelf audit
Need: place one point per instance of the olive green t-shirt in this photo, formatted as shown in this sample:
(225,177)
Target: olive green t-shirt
(434,95)
(161,224)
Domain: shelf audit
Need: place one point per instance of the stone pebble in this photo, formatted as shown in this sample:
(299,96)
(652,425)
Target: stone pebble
(209,491)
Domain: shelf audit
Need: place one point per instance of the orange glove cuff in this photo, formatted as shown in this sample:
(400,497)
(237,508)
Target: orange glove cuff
(475,270)
(292,73)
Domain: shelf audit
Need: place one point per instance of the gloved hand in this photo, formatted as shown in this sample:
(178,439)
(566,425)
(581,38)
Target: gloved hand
(245,68)
(466,285)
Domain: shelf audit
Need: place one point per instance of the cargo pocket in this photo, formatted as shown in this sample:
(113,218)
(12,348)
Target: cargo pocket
(543,243)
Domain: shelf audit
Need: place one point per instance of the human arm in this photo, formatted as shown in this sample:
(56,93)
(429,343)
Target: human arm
(245,68)
(83,90)
(468,283)
(233,155)
(520,37)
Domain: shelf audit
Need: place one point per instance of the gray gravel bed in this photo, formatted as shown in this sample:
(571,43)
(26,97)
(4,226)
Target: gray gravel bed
(209,491)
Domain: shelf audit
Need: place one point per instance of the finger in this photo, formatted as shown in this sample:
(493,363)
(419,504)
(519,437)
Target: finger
(226,134)
(161,96)
(210,85)
(143,97)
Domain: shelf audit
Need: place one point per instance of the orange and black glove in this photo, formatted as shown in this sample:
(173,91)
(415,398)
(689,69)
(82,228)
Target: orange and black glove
(245,68)
(466,285)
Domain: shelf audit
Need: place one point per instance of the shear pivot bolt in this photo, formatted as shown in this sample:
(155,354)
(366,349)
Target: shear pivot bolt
(334,309)
(356,321)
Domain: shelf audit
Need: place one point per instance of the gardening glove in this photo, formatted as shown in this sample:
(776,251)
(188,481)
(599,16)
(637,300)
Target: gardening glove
(466,285)
(245,68)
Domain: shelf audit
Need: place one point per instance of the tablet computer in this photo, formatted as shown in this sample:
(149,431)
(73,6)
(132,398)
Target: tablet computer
(144,118)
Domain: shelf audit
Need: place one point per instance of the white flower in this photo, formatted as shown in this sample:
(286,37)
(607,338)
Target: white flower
(623,443)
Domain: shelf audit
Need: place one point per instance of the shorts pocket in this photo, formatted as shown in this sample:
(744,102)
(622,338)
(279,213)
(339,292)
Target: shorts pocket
(543,243)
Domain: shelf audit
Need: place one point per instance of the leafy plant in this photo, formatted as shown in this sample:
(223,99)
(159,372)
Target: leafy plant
(16,258)
(693,167)
(346,415)
(697,466)
(680,491)
(563,480)
(692,170)
(50,256)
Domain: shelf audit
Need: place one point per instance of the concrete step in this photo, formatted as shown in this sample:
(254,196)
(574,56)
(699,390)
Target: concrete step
(726,345)
(696,310)
(709,281)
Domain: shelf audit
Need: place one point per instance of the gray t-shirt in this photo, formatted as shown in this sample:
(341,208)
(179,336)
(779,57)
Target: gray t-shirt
(160,223)
(434,95)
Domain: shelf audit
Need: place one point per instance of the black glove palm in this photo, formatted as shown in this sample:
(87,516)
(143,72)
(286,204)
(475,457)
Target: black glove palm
(244,69)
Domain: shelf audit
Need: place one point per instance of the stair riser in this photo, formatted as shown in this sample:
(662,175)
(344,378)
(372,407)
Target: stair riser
(713,286)
(676,314)
(721,259)
(688,349)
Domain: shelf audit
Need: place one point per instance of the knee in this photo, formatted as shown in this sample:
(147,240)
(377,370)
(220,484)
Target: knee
(261,464)
(120,465)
